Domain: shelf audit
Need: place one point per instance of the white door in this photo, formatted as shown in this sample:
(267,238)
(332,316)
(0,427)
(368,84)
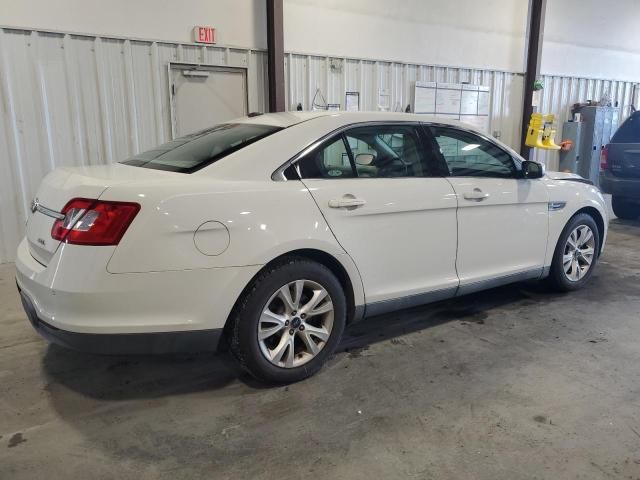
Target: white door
(373,186)
(502,218)
(206,96)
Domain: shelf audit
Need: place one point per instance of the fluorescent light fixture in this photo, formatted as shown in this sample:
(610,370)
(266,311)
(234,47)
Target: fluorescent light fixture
(471,146)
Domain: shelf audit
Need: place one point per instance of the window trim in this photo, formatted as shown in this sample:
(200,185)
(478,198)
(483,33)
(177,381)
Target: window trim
(278,174)
(516,162)
(324,144)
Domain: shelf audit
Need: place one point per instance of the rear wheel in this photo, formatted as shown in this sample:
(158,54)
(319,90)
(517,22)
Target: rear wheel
(576,254)
(625,209)
(290,321)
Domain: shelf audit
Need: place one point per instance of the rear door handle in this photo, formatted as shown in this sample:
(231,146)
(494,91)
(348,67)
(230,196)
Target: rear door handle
(347,201)
(476,196)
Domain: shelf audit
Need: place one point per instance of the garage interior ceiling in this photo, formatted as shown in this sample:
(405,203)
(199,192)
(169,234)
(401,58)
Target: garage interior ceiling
(73,99)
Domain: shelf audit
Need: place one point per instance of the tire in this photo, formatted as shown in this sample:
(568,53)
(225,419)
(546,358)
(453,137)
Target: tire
(266,293)
(624,209)
(564,280)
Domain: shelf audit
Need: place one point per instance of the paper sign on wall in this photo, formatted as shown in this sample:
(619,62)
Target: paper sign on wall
(352,101)
(384,99)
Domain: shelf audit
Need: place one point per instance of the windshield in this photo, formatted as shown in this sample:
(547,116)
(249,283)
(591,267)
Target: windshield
(197,150)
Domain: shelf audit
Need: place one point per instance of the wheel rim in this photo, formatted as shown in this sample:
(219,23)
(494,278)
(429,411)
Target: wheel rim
(295,324)
(578,253)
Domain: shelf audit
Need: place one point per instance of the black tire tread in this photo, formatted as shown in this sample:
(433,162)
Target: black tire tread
(625,209)
(557,279)
(241,310)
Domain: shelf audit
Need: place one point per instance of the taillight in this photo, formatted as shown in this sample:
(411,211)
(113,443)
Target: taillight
(604,158)
(94,222)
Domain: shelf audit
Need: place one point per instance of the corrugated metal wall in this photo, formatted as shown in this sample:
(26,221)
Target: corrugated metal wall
(75,100)
(72,99)
(560,93)
(305,74)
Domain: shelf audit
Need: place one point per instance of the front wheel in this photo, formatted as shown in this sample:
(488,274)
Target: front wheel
(624,209)
(290,321)
(576,254)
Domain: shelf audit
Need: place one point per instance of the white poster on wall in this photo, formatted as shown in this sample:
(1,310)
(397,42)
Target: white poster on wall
(469,101)
(484,98)
(448,98)
(425,98)
(454,101)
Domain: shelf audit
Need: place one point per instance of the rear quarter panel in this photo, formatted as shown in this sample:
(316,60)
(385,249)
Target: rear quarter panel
(263,220)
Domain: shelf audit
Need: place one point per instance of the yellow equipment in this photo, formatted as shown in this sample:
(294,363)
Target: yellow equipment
(541,132)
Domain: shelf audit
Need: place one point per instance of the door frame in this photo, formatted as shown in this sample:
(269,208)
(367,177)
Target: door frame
(207,67)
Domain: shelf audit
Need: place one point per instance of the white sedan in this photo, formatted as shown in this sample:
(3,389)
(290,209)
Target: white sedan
(276,231)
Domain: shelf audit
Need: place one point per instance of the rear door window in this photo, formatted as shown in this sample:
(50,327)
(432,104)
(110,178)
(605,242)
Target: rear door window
(388,151)
(629,131)
(330,161)
(195,151)
(372,151)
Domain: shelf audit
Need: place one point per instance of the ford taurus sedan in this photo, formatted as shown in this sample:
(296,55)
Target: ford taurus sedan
(274,232)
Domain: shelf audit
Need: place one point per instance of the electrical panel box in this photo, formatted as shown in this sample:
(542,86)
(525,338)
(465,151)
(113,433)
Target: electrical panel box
(570,159)
(598,126)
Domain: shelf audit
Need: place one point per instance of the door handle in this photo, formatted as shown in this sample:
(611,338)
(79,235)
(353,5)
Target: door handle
(476,196)
(347,201)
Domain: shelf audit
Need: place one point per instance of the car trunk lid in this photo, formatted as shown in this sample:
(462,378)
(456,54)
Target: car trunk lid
(64,184)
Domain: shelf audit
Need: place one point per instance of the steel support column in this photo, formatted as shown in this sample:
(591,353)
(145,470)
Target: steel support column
(533,54)
(275,45)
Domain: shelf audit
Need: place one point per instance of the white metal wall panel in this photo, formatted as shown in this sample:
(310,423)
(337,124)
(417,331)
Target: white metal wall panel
(70,99)
(561,93)
(307,73)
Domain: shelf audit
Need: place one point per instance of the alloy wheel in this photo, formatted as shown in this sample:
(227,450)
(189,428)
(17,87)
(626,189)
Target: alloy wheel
(295,324)
(578,253)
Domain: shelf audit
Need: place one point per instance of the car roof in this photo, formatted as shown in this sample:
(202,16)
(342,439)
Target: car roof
(280,119)
(288,119)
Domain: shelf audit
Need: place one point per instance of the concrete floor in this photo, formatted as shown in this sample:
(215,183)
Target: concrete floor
(514,383)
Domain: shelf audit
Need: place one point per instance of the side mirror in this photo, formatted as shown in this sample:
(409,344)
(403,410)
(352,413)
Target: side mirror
(364,159)
(532,170)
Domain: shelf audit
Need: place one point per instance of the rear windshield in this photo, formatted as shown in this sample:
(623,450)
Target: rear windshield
(197,150)
(629,131)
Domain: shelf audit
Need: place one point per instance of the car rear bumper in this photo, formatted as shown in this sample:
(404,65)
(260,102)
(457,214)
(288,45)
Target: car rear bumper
(620,186)
(75,302)
(123,344)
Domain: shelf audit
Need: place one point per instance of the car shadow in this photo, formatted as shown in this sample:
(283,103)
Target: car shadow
(117,378)
(473,308)
(618,222)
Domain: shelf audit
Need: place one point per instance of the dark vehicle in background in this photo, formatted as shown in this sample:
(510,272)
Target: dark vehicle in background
(620,169)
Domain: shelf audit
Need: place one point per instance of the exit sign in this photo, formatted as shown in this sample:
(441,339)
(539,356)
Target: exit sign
(204,34)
